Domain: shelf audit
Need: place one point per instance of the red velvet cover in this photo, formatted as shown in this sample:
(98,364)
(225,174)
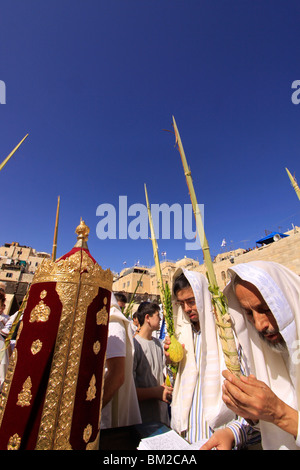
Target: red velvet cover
(23,422)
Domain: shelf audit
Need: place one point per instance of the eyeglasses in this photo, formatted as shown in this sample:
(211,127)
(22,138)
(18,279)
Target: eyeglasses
(189,302)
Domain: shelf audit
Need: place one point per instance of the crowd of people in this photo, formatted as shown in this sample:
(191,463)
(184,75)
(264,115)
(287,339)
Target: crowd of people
(259,409)
(207,403)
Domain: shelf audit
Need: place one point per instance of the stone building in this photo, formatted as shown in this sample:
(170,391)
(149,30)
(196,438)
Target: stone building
(146,279)
(18,264)
(285,251)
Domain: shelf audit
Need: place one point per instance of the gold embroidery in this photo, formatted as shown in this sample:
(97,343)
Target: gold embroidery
(55,392)
(65,366)
(102,317)
(71,270)
(87,433)
(14,442)
(91,393)
(78,280)
(7,382)
(19,331)
(39,313)
(25,396)
(96,347)
(36,346)
(43,294)
(94,445)
(105,300)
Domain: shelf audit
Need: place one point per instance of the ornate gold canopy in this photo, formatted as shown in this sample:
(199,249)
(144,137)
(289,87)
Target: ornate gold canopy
(52,395)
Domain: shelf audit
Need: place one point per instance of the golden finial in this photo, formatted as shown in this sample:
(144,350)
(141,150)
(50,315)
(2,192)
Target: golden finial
(82,231)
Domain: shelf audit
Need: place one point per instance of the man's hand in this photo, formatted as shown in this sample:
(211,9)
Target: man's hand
(167,393)
(159,392)
(249,397)
(254,400)
(222,439)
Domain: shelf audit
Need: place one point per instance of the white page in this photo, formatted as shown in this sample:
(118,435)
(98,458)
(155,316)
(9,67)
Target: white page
(168,441)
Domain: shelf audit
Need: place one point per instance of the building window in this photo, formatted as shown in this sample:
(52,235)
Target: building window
(8,274)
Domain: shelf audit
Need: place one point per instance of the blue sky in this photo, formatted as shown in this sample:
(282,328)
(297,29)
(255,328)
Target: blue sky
(95,83)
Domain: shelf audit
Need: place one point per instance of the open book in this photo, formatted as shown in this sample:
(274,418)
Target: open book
(169,440)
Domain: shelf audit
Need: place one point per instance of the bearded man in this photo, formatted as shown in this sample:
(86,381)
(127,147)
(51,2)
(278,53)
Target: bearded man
(264,304)
(197,408)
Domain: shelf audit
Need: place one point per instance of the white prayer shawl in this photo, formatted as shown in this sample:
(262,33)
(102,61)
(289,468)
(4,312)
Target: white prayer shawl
(212,361)
(125,406)
(280,289)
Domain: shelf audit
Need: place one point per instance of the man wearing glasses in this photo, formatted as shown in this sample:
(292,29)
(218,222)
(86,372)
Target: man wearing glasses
(197,407)
(186,300)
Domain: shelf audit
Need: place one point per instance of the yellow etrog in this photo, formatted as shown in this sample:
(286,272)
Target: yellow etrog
(175,350)
(168,381)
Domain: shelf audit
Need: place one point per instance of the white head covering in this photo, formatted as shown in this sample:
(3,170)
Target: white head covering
(280,289)
(211,362)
